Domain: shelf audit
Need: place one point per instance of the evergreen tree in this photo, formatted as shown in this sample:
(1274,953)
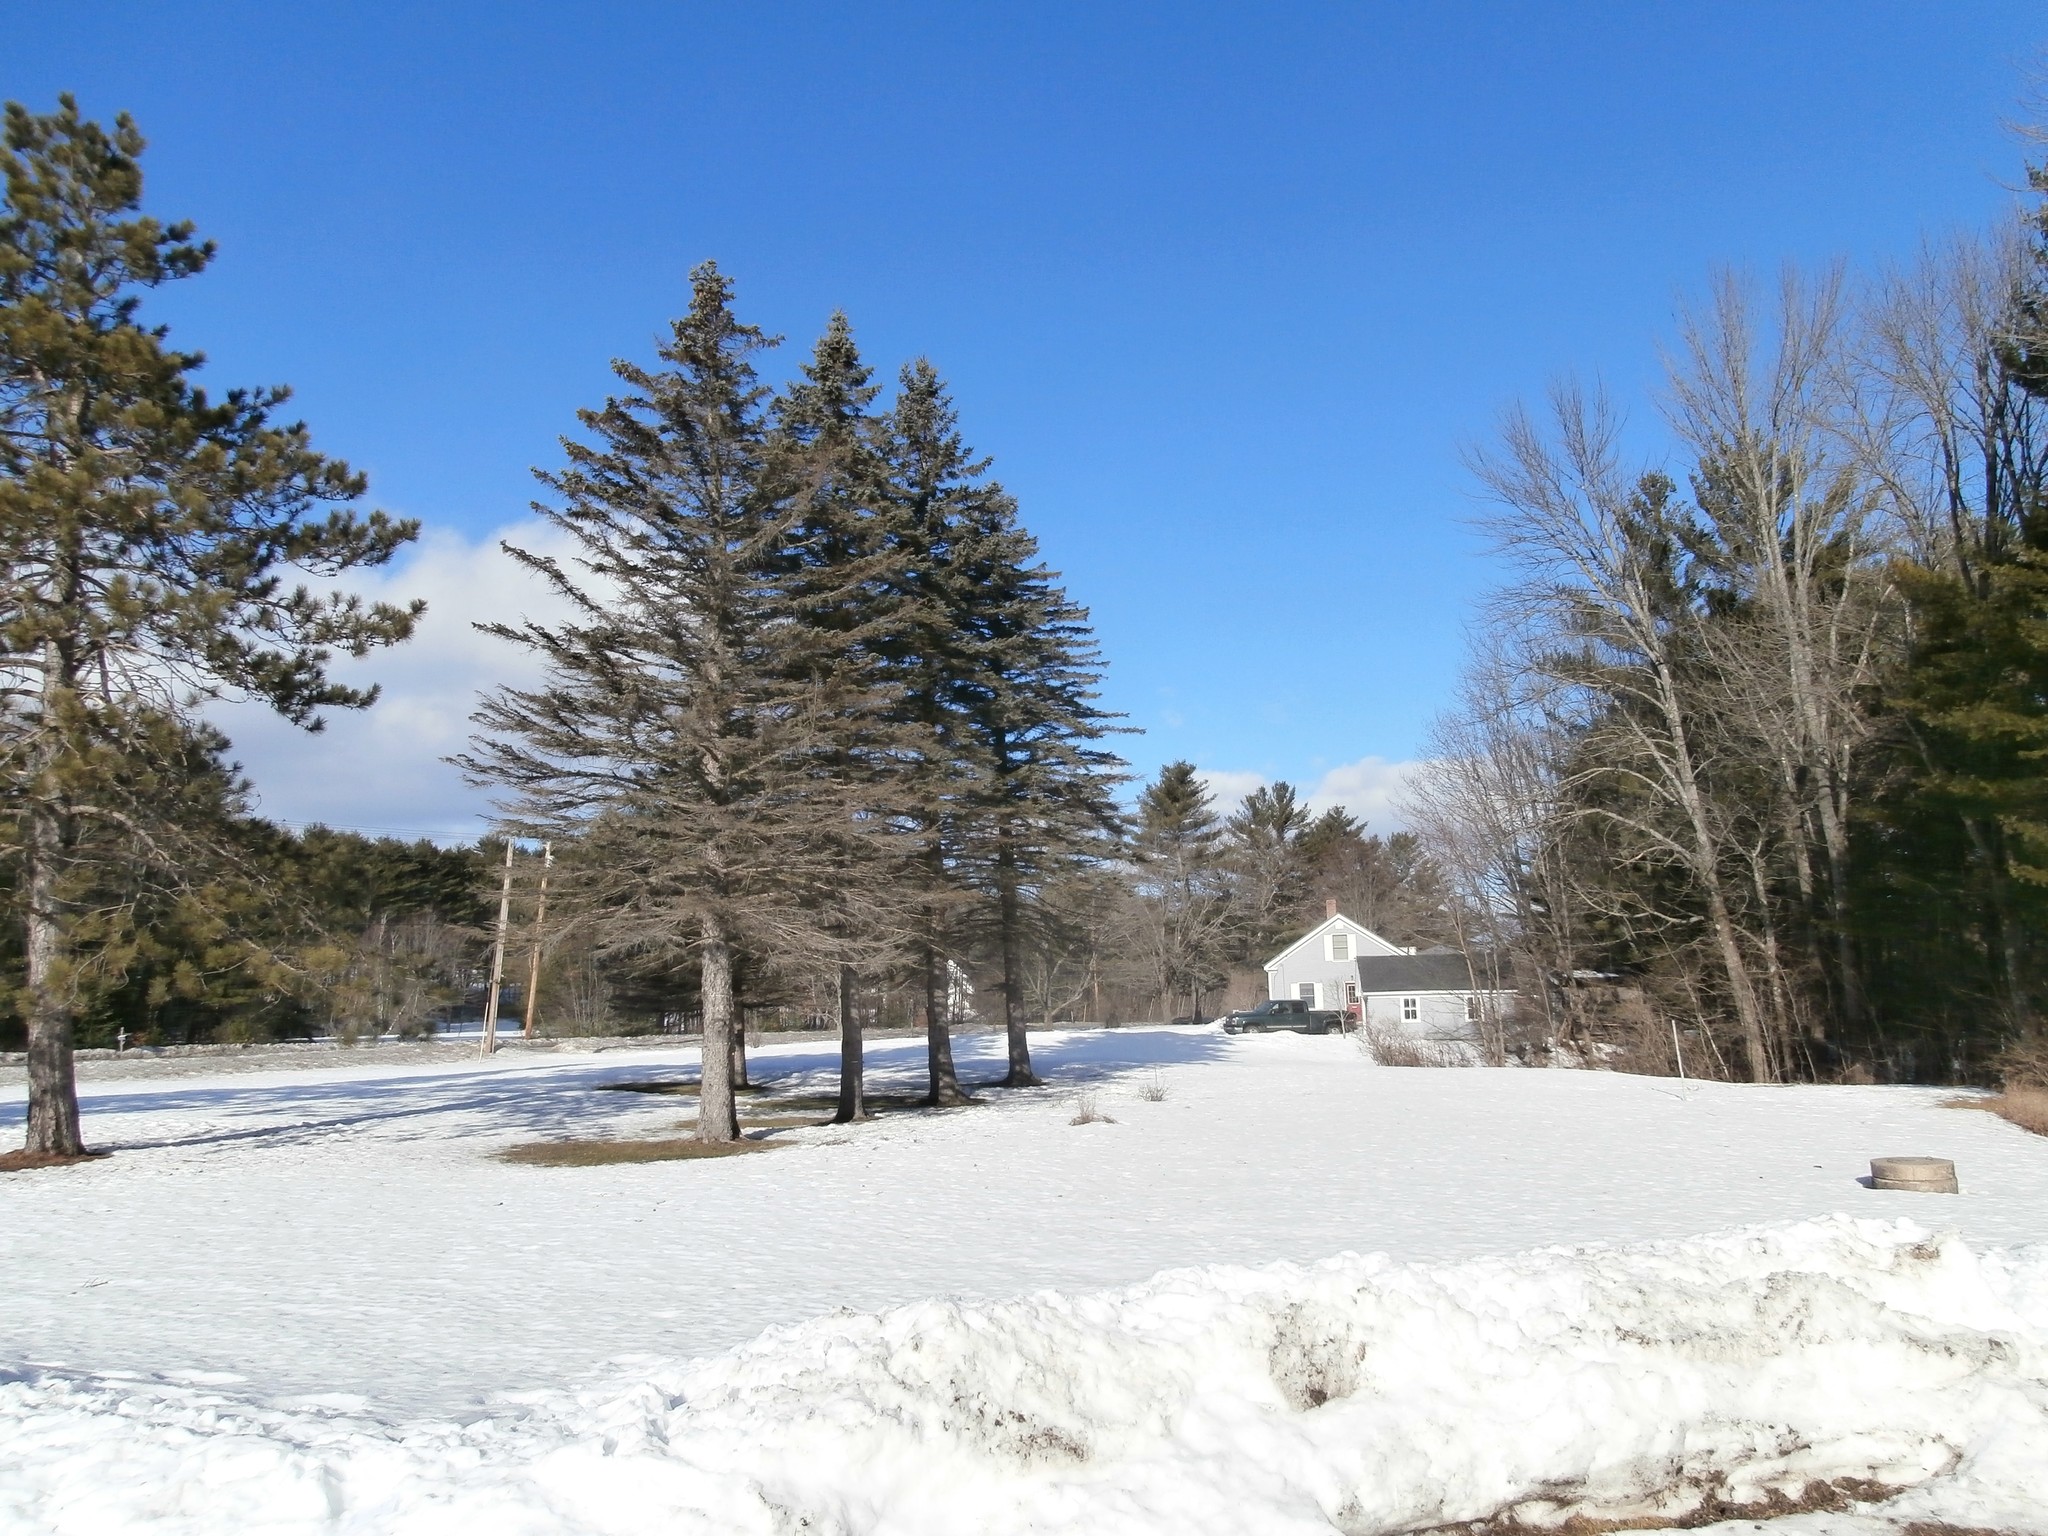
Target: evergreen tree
(698,717)
(144,531)
(999,674)
(1044,797)
(933,483)
(1264,835)
(1178,849)
(827,449)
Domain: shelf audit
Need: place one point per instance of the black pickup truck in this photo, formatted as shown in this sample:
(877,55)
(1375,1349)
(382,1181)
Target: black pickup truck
(1283,1013)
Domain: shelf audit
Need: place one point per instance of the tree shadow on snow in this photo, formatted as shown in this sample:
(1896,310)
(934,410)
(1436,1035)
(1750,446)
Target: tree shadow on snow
(557,1098)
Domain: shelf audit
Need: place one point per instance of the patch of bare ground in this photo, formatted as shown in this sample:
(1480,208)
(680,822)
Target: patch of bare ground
(23,1161)
(1833,1496)
(2026,1108)
(599,1154)
(769,1100)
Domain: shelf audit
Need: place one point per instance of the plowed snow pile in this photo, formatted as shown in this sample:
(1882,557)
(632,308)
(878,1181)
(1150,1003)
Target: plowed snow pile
(1861,1367)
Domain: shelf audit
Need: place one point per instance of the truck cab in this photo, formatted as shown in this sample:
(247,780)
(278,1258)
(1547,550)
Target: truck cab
(1283,1013)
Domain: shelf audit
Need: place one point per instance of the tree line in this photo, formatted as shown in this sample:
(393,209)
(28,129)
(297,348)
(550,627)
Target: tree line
(1754,737)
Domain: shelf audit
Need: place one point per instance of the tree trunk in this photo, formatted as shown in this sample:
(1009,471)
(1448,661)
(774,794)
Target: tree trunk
(852,1060)
(938,1038)
(717,1113)
(1707,870)
(52,1076)
(739,1047)
(1009,915)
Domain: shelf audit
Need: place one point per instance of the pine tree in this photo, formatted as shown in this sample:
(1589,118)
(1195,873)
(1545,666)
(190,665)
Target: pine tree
(1179,855)
(1264,835)
(931,484)
(998,672)
(827,450)
(144,532)
(698,717)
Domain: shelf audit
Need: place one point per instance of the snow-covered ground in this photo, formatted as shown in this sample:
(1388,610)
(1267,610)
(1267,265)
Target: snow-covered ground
(313,1300)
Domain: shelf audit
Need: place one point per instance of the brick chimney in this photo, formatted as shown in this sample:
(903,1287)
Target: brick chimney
(1330,907)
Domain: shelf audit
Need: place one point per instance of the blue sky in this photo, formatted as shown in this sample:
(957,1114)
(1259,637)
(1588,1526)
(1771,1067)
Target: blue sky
(1225,290)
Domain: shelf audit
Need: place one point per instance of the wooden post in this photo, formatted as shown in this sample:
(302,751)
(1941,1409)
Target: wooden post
(498,957)
(1676,1051)
(540,916)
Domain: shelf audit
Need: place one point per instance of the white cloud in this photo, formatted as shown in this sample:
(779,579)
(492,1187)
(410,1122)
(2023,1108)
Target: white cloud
(1369,789)
(1227,786)
(381,769)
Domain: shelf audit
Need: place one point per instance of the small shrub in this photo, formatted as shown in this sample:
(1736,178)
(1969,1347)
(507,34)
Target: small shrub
(1153,1089)
(1087,1112)
(2023,1064)
(1392,1049)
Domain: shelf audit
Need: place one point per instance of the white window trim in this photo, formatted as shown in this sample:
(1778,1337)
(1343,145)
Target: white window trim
(1411,1010)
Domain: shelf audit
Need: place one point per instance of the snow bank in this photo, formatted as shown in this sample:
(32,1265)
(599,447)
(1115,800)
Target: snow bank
(1359,1395)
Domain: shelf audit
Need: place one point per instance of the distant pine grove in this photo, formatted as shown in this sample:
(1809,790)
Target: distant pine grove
(1752,754)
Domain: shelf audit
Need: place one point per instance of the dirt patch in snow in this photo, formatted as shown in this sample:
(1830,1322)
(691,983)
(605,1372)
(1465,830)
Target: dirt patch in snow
(601,1154)
(24,1160)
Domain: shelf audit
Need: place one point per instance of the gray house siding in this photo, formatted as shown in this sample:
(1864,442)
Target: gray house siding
(1430,997)
(1312,963)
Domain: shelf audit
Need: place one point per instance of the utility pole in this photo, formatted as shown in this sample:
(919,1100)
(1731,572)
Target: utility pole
(540,916)
(498,957)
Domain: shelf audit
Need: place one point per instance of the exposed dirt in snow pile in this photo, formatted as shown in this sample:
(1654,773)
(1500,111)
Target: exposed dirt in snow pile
(1673,1382)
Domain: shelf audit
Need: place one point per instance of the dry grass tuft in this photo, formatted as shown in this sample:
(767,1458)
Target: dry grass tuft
(1391,1049)
(1153,1089)
(1087,1112)
(600,1154)
(2026,1108)
(23,1161)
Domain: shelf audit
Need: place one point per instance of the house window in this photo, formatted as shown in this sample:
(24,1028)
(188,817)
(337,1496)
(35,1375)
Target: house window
(1411,1009)
(1350,993)
(1307,993)
(1471,1007)
(1340,946)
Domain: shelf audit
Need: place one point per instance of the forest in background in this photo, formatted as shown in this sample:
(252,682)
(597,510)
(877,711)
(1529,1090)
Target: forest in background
(1752,749)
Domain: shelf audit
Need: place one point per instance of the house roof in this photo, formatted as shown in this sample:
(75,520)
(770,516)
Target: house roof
(1324,927)
(1441,971)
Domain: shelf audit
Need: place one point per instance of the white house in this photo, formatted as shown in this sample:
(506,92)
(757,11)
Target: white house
(1321,967)
(1432,995)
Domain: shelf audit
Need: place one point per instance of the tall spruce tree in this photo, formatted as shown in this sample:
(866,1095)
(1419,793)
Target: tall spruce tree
(145,530)
(997,671)
(1178,849)
(1044,797)
(1264,836)
(698,717)
(932,482)
(826,450)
